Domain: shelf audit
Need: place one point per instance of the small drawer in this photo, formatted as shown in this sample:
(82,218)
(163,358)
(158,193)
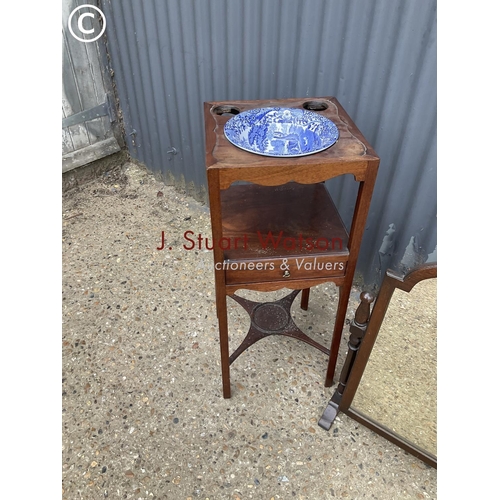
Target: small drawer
(296,267)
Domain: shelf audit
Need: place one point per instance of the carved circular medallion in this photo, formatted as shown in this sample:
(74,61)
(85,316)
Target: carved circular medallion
(270,318)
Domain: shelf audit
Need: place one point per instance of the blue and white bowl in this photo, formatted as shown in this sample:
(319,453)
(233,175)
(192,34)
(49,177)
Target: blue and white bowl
(281,132)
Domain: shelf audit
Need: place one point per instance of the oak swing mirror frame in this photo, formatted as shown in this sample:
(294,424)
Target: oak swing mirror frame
(364,331)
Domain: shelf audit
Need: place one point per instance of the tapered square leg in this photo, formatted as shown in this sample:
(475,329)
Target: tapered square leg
(304,299)
(224,344)
(337,333)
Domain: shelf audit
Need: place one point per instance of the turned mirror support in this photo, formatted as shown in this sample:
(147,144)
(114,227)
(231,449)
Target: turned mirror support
(357,329)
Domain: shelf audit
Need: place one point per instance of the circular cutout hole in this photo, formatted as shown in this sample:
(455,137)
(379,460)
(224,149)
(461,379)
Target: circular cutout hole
(226,111)
(315,105)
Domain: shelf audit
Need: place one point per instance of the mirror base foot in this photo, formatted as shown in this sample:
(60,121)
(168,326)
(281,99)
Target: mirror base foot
(329,415)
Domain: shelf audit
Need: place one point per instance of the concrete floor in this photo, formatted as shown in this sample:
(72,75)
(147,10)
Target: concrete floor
(143,413)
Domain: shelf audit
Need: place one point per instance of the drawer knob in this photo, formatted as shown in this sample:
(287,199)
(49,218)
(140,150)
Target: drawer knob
(286,274)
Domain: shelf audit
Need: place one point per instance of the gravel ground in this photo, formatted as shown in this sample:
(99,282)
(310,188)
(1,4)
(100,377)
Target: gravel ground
(143,412)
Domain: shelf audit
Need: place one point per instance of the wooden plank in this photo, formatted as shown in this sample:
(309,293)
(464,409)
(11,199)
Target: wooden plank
(71,102)
(67,143)
(82,60)
(101,127)
(89,154)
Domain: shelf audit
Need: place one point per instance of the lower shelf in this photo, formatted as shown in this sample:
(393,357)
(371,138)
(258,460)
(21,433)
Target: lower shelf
(271,233)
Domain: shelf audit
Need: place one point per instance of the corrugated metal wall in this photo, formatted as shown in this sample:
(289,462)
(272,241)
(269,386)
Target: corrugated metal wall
(378,57)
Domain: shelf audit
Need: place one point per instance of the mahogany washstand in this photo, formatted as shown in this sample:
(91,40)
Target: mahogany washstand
(287,197)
